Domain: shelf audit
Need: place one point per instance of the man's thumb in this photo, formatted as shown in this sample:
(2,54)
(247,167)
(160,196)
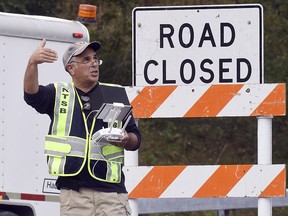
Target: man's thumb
(43,43)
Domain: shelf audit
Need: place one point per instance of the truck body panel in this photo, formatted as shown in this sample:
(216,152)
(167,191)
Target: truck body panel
(23,166)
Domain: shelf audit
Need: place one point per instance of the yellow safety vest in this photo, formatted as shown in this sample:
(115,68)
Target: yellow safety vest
(67,154)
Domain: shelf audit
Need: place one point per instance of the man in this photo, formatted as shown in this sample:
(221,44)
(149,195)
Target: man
(90,177)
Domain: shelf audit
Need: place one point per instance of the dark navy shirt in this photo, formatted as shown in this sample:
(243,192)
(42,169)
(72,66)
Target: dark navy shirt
(43,101)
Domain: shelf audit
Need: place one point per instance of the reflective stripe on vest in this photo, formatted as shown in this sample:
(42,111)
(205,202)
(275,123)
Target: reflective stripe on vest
(61,146)
(56,148)
(63,109)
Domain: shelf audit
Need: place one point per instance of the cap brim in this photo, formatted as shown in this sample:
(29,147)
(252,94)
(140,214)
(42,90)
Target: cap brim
(95,45)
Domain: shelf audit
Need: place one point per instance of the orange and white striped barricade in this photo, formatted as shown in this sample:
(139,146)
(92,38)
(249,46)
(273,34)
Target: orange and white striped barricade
(219,100)
(206,181)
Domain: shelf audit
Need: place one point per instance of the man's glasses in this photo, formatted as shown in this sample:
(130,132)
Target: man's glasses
(87,60)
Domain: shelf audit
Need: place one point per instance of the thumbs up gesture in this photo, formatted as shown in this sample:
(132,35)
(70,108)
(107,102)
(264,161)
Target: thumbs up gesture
(43,54)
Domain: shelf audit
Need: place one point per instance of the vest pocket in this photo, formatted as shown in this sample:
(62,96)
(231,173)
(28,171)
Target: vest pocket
(107,171)
(113,172)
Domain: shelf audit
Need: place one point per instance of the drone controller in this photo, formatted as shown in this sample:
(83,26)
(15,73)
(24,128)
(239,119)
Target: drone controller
(115,135)
(112,134)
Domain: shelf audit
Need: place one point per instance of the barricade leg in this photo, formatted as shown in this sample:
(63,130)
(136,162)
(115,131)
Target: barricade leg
(131,159)
(264,142)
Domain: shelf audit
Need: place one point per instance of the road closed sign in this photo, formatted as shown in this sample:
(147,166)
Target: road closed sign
(198,45)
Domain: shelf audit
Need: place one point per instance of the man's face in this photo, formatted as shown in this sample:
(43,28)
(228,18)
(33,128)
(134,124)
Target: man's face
(85,68)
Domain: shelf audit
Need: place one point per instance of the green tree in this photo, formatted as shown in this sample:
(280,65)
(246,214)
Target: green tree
(33,7)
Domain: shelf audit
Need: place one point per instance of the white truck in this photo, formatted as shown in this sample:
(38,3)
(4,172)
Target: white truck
(25,186)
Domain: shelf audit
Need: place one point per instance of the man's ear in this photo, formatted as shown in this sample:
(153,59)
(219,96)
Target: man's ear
(70,70)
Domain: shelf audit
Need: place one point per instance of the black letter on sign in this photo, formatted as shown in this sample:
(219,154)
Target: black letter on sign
(187,81)
(245,61)
(165,81)
(151,82)
(222,33)
(209,37)
(167,35)
(207,70)
(191,34)
(224,70)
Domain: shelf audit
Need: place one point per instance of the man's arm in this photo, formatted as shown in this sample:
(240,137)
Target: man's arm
(39,56)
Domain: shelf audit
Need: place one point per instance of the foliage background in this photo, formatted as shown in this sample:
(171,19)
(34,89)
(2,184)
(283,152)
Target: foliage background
(182,141)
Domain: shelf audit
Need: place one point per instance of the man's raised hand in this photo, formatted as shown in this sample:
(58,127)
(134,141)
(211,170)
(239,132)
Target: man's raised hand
(42,54)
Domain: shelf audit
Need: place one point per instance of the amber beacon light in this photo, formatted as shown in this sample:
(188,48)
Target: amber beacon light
(87,13)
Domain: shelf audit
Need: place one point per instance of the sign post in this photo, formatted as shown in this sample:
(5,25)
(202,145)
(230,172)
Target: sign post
(264,157)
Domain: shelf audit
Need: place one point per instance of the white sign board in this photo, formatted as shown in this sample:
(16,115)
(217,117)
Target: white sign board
(196,45)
